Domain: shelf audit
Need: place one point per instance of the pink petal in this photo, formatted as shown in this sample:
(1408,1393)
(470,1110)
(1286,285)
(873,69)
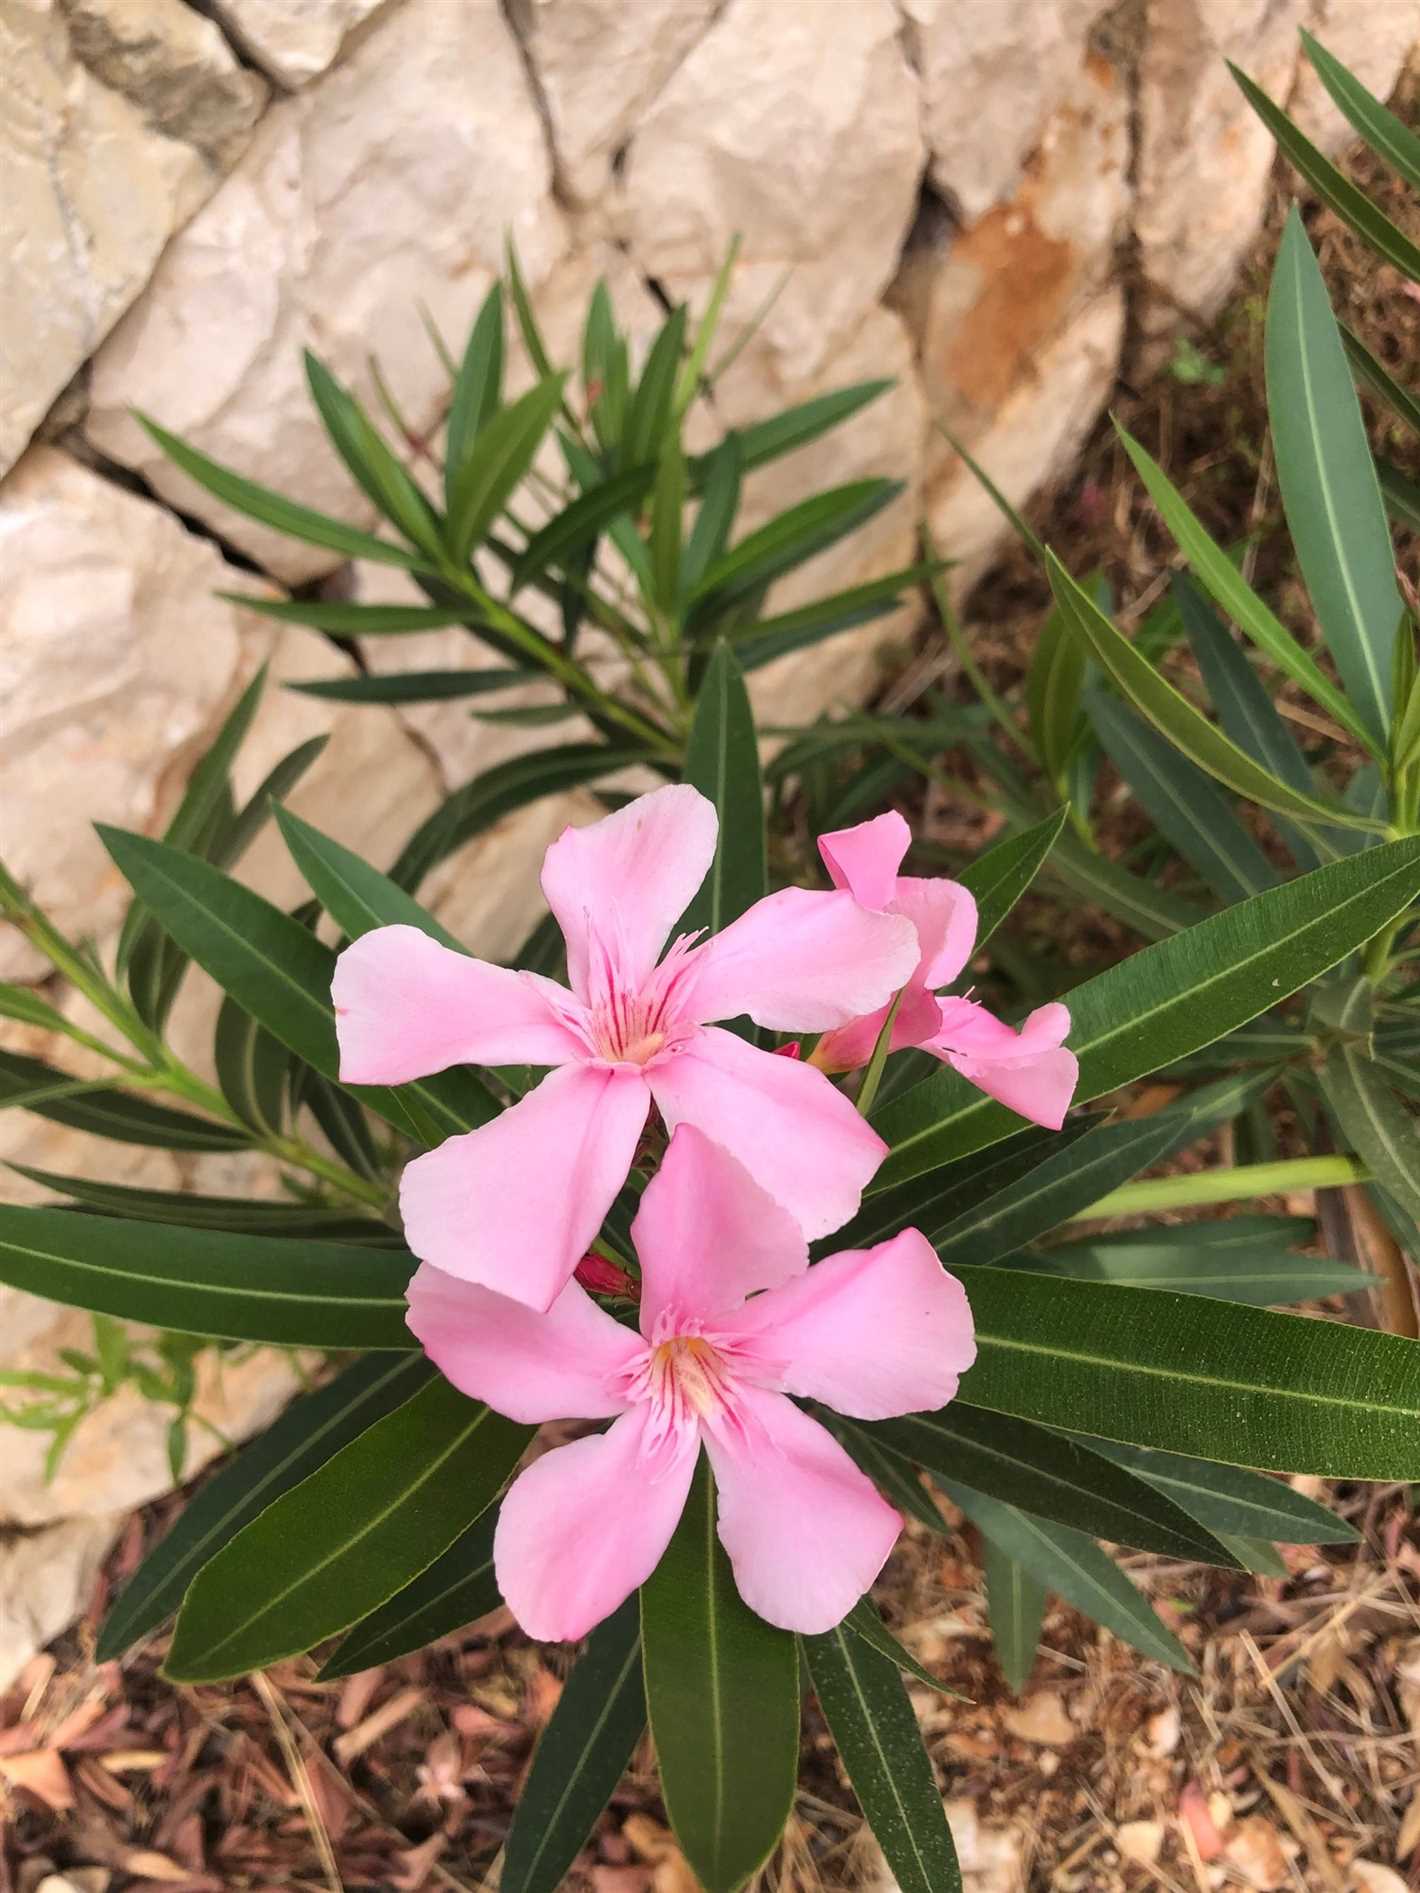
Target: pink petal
(805,1530)
(707,1234)
(872,1332)
(853,1045)
(514,1204)
(587,1523)
(944,915)
(406,1006)
(796,1134)
(865,859)
(619,885)
(801,961)
(533,1367)
(1028,1071)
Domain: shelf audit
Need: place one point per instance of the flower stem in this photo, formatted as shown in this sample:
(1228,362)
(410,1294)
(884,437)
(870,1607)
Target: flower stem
(1226,1186)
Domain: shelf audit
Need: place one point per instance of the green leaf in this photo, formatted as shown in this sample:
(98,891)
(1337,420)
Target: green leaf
(356,896)
(864,1621)
(1221,578)
(720,488)
(998,877)
(797,426)
(498,460)
(456,1589)
(275,969)
(1374,1122)
(1067,1182)
(251,1069)
(649,422)
(667,521)
(1388,136)
(1192,815)
(256,1215)
(722,761)
(373,467)
(478,388)
(898,1481)
(582,1754)
(252,817)
(1233,1500)
(1186,728)
(307,1434)
(1328,482)
(488,797)
(1351,205)
(350,1535)
(344,618)
(115,1114)
(1054,685)
(767,638)
(580,524)
(870,1717)
(1262,1272)
(275,510)
(413,686)
(1380,380)
(1155,912)
(722,1688)
(791,538)
(1191,1375)
(1169,999)
(239,1286)
(1066,1562)
(1047,1475)
(1015,1602)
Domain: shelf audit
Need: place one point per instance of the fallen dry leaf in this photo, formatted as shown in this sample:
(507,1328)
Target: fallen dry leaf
(1041,1718)
(153,1866)
(1141,1841)
(1255,1849)
(1161,1731)
(1369,1876)
(40,1772)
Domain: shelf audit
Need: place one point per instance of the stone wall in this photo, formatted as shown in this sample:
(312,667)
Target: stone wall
(988,199)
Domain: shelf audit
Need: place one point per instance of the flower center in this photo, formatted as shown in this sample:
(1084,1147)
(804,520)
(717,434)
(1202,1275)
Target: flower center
(628,1031)
(688,1375)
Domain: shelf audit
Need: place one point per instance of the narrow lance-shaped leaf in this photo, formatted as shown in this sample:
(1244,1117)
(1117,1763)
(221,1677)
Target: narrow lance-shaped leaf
(101,1112)
(722,1688)
(1375,1123)
(1388,136)
(722,761)
(1001,874)
(581,1755)
(1175,996)
(870,1717)
(456,1589)
(239,1286)
(1328,481)
(257,1216)
(308,1433)
(347,1537)
(1233,1499)
(370,461)
(1015,1602)
(478,388)
(497,461)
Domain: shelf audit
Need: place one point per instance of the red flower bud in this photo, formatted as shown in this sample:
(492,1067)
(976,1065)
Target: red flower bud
(601,1277)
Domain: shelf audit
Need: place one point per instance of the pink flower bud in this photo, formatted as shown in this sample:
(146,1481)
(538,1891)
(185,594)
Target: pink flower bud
(791,1050)
(601,1277)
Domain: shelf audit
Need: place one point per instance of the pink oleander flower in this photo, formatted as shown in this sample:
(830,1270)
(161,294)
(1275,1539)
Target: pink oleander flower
(733,1323)
(515,1204)
(1029,1069)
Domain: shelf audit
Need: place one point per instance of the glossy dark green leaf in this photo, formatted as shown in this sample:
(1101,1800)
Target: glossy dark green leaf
(1388,136)
(488,797)
(1234,1500)
(456,1589)
(1054,685)
(1222,579)
(797,426)
(251,1069)
(1025,1465)
(1378,1127)
(1015,1603)
(350,1535)
(188,1210)
(343,1121)
(1335,190)
(1380,381)
(650,414)
(667,525)
(1191,1375)
(581,1755)
(346,618)
(864,1621)
(579,524)
(371,464)
(722,1689)
(722,761)
(413,686)
(497,461)
(1263,1271)
(243,1287)
(356,896)
(125,1118)
(1067,1563)
(791,538)
(761,641)
(1001,874)
(1328,481)
(305,1436)
(1192,815)
(715,516)
(871,1720)
(1175,996)
(273,509)
(249,820)
(1154,912)
(897,1480)
(478,388)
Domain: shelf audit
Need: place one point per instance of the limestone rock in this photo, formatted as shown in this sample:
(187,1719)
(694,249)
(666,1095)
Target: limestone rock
(46,1578)
(1374,41)
(1204,156)
(991,76)
(294,40)
(114,658)
(1031,439)
(391,183)
(813,159)
(116,120)
(985,307)
(599,64)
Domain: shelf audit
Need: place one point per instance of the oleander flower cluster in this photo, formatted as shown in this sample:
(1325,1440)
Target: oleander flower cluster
(752,1156)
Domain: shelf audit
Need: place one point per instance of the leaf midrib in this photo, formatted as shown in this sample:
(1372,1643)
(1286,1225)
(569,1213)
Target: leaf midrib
(887,1772)
(243,1291)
